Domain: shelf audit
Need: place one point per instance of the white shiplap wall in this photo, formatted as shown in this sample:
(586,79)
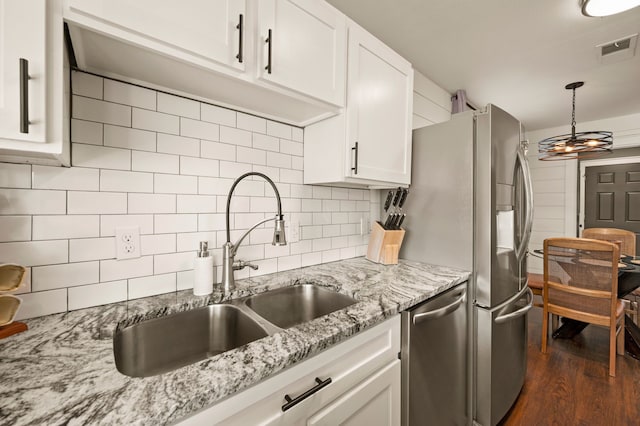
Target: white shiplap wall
(164,164)
(555,183)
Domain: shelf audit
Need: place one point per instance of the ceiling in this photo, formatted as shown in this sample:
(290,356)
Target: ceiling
(516,54)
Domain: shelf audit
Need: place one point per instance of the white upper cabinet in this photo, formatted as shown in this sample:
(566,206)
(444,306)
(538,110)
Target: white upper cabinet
(370,143)
(208,28)
(302,46)
(32,82)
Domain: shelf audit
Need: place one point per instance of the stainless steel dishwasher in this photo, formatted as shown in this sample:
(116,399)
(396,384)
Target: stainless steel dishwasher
(434,360)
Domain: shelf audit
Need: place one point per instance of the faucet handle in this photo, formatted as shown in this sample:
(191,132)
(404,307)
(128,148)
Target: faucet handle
(241,264)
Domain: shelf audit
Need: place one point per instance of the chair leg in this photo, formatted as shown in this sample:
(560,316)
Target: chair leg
(612,350)
(621,337)
(545,329)
(554,322)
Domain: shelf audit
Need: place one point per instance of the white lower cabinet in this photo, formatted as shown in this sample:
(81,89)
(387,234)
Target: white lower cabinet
(364,389)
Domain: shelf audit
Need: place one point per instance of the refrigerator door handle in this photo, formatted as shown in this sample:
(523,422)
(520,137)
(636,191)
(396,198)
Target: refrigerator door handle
(528,192)
(500,319)
(441,312)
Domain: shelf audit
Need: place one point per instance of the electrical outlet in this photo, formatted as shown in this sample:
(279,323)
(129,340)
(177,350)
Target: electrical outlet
(293,233)
(365,225)
(127,243)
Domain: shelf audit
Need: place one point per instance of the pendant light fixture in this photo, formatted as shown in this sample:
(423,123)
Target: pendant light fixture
(599,8)
(569,146)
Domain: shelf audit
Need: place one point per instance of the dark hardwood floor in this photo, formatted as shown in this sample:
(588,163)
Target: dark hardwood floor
(570,384)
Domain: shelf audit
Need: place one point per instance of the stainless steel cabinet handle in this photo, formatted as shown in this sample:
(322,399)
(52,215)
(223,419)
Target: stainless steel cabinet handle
(355,168)
(293,401)
(500,319)
(24,96)
(441,312)
(269,42)
(528,192)
(240,28)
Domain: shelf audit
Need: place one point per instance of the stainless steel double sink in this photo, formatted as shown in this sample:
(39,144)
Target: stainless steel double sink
(163,344)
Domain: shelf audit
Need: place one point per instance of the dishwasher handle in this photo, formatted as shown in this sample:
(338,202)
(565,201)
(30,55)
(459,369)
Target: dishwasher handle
(441,312)
(500,319)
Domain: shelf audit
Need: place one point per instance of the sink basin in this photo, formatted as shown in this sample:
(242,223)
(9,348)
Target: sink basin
(163,344)
(294,305)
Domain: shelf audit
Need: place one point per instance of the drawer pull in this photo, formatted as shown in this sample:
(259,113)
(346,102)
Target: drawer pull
(293,401)
(24,96)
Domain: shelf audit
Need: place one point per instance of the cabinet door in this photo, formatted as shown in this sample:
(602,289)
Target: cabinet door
(206,28)
(379,108)
(376,401)
(307,45)
(22,36)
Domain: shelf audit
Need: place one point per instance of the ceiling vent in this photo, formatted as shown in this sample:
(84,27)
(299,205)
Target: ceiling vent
(617,50)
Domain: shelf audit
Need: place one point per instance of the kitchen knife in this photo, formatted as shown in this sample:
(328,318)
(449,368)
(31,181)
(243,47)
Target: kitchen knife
(401,220)
(396,199)
(387,202)
(387,222)
(403,197)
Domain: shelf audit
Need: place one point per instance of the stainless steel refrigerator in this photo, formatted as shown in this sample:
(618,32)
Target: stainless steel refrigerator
(471,206)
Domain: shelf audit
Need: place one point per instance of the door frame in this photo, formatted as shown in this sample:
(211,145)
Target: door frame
(582,178)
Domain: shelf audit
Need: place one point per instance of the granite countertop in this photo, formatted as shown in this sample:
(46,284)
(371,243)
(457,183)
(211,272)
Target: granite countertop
(62,371)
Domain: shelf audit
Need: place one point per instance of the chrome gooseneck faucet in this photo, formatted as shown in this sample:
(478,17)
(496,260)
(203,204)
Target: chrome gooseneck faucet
(229,250)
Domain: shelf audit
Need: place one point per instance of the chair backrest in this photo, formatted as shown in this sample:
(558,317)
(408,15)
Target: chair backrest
(581,279)
(626,239)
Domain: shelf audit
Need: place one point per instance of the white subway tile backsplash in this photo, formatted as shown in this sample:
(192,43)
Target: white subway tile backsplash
(63,226)
(109,223)
(157,244)
(128,94)
(163,164)
(196,203)
(29,201)
(112,270)
(71,178)
(66,275)
(250,155)
(101,111)
(235,136)
(199,167)
(86,296)
(218,115)
(84,249)
(217,151)
(173,262)
(126,137)
(232,170)
(172,184)
(199,129)
(150,286)
(172,223)
(152,203)
(297,134)
(268,143)
(251,123)
(279,130)
(15,228)
(124,181)
(100,157)
(179,145)
(42,303)
(34,253)
(154,162)
(275,159)
(88,132)
(177,105)
(155,121)
(82,202)
(15,175)
(87,85)
(291,147)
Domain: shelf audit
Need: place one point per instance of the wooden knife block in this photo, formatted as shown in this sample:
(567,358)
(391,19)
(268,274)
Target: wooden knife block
(384,245)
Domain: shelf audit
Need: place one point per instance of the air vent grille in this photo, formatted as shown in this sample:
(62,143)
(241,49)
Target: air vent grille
(615,46)
(617,50)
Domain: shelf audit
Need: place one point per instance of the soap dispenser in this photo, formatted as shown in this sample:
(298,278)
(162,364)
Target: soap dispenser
(203,271)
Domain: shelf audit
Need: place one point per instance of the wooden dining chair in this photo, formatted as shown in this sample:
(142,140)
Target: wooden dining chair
(626,239)
(581,283)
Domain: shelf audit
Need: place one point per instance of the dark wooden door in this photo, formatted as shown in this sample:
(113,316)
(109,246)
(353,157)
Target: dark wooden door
(612,198)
